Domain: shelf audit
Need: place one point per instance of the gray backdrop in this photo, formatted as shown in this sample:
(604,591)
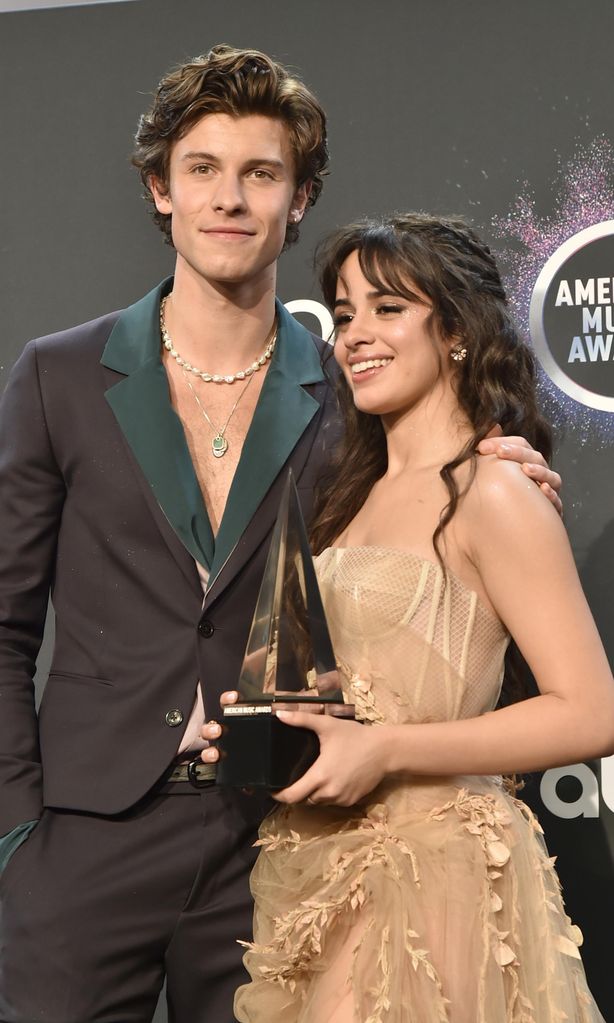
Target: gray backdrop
(433,104)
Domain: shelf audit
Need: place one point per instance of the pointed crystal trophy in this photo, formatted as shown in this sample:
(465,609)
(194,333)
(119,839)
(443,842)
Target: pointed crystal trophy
(289,664)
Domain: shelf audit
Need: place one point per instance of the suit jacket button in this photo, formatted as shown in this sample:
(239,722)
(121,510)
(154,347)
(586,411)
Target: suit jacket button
(206,629)
(173,718)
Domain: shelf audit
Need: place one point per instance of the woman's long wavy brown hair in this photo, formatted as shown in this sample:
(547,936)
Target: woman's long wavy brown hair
(495,384)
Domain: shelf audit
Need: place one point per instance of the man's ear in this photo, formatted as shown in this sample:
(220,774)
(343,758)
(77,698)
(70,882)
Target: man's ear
(299,203)
(161,194)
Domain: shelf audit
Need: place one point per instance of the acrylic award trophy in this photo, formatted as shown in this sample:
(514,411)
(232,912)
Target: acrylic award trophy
(289,664)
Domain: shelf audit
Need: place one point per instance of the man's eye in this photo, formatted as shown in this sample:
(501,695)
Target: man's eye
(202,168)
(258,172)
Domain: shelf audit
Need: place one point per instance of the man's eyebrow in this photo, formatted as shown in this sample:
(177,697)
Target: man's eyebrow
(252,161)
(267,161)
(198,155)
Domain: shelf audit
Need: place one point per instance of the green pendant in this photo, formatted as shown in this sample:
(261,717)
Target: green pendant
(219,445)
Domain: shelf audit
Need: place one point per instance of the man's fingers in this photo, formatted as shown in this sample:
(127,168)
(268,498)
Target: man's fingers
(517,449)
(212,730)
(543,474)
(510,449)
(507,447)
(515,442)
(553,497)
(534,465)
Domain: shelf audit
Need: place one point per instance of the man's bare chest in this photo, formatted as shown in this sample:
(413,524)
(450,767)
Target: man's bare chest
(216,419)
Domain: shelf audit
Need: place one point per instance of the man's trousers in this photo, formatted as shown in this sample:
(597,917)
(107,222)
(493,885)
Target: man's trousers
(96,911)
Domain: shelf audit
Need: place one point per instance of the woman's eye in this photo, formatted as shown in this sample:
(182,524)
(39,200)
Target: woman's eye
(389,307)
(341,319)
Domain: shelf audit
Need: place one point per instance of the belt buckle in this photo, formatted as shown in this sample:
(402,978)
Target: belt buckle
(194,780)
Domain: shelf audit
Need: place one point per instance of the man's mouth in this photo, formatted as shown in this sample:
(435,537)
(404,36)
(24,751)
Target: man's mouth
(228,232)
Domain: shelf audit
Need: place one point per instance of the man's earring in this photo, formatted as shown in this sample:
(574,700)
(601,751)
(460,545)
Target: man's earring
(458,353)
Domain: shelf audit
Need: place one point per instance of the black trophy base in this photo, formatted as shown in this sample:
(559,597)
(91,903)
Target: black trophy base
(259,751)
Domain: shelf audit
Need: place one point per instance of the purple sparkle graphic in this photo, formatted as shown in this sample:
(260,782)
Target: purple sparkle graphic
(584,190)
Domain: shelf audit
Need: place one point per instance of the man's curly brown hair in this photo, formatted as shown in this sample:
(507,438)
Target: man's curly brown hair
(235,82)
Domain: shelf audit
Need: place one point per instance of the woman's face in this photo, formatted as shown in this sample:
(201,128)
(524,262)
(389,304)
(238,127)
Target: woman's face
(387,346)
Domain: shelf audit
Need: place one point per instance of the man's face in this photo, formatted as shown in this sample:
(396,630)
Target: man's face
(231,192)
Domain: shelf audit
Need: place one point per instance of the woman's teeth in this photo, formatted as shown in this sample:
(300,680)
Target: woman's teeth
(360,367)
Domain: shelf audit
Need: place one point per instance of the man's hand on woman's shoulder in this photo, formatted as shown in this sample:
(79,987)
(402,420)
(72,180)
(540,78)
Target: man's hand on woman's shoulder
(533,463)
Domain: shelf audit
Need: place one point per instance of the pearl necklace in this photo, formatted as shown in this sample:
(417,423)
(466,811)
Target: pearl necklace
(219,443)
(214,377)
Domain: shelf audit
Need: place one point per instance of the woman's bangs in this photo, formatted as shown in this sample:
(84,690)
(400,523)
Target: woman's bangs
(387,266)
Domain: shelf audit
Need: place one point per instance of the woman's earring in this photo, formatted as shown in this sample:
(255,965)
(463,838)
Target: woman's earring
(458,353)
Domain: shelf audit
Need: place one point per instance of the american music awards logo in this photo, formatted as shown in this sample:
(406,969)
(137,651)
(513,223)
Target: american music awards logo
(571,316)
(543,250)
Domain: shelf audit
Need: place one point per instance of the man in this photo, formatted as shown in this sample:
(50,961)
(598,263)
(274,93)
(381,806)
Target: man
(142,461)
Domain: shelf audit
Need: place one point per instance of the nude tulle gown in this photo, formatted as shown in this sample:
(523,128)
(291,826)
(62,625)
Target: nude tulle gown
(434,900)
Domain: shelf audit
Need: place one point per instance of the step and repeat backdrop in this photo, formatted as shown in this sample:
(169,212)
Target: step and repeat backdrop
(497,111)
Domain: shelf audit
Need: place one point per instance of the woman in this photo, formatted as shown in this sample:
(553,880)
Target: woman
(401,881)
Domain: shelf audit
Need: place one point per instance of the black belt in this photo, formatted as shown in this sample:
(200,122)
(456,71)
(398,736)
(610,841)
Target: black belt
(196,773)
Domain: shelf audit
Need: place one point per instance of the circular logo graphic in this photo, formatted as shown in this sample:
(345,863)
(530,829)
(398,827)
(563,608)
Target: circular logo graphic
(572,317)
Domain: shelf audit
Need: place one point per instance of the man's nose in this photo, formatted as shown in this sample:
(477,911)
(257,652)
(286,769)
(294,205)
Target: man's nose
(228,196)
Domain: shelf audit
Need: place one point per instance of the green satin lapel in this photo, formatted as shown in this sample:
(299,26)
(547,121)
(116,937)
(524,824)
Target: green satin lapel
(141,404)
(142,407)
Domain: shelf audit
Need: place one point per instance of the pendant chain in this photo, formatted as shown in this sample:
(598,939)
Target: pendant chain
(219,443)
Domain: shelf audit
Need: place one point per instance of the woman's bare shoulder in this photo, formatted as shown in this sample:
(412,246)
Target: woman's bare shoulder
(502,503)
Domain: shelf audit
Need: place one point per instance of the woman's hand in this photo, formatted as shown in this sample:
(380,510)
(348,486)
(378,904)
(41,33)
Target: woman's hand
(212,731)
(534,465)
(352,760)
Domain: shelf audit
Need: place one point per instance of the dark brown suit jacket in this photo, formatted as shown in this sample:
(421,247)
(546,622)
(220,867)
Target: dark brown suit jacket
(99,505)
